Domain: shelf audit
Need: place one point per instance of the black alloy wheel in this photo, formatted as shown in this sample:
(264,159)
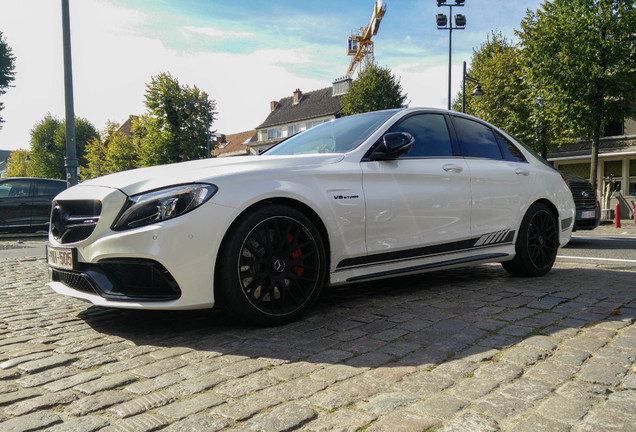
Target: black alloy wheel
(274,265)
(537,243)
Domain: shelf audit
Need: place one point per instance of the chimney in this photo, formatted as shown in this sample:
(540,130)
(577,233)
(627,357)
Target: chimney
(297,96)
(272,105)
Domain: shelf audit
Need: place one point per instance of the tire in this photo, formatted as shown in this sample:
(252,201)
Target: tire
(272,266)
(537,243)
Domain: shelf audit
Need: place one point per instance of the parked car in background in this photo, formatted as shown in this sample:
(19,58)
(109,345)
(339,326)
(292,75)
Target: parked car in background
(588,209)
(362,197)
(25,203)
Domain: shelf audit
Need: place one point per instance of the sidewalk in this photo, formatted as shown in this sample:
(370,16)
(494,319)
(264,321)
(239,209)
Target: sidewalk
(606,228)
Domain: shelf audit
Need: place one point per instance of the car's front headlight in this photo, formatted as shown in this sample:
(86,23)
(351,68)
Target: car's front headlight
(159,205)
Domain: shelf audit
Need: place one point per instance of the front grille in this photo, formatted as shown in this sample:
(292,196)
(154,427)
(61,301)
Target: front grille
(73,221)
(584,196)
(127,280)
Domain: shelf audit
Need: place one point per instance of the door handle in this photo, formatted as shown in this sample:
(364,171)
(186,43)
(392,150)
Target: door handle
(521,171)
(452,167)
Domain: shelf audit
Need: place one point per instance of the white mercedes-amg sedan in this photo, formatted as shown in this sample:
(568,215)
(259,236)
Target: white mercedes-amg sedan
(362,197)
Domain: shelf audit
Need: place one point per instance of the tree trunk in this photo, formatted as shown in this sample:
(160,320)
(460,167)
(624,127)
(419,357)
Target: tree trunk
(594,162)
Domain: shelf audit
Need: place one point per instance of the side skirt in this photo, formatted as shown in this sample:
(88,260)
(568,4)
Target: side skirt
(423,267)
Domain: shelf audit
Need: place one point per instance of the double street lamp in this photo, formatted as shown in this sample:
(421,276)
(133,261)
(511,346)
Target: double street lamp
(446,23)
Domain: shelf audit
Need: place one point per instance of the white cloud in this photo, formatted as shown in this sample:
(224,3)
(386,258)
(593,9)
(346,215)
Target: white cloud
(112,62)
(219,33)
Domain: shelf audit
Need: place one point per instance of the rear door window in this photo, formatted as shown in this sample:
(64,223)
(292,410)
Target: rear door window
(49,188)
(477,140)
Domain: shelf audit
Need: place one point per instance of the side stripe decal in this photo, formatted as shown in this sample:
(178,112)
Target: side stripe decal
(485,241)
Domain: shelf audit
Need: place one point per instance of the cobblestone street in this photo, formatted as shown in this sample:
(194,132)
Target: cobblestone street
(461,350)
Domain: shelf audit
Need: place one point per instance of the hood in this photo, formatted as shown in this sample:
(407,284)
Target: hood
(204,170)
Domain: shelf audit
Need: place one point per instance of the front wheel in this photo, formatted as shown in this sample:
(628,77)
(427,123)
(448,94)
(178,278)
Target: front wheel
(272,266)
(537,243)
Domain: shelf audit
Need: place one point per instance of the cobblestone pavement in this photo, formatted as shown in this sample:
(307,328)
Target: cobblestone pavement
(461,350)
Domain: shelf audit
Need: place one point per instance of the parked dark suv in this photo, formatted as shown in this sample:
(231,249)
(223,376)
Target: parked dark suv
(588,211)
(25,202)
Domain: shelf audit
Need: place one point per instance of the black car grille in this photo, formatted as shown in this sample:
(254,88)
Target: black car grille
(127,280)
(73,221)
(75,280)
(584,196)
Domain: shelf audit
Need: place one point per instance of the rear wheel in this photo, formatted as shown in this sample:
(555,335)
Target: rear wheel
(272,266)
(537,243)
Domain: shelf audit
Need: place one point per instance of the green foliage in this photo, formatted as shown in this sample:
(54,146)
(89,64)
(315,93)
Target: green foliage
(48,146)
(7,70)
(579,57)
(121,154)
(95,153)
(114,152)
(508,101)
(174,129)
(375,89)
(45,161)
(18,163)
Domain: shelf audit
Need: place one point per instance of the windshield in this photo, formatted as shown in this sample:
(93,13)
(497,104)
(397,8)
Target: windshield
(335,136)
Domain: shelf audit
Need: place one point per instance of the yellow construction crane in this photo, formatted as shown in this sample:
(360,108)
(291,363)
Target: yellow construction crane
(360,46)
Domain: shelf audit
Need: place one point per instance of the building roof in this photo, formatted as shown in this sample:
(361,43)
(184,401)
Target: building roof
(607,145)
(234,145)
(126,128)
(313,104)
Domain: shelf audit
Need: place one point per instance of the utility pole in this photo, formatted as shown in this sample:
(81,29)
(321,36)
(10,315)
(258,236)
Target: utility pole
(70,161)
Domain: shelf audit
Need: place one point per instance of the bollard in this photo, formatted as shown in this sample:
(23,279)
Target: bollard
(617,216)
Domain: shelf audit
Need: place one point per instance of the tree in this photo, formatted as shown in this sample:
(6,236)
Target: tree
(7,70)
(508,101)
(112,152)
(48,146)
(375,89)
(95,154)
(44,154)
(18,163)
(175,127)
(579,58)
(121,154)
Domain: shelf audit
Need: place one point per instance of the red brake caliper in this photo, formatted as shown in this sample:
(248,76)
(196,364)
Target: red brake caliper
(296,255)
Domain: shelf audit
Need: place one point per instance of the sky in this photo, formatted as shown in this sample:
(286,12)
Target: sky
(243,53)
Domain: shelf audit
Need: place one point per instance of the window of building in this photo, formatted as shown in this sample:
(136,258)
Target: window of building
(632,177)
(274,133)
(293,129)
(614,170)
(613,129)
(579,169)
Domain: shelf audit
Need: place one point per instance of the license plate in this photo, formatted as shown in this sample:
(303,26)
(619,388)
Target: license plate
(589,214)
(62,258)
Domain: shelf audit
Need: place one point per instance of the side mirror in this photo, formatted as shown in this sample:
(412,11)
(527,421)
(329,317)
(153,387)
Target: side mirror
(393,145)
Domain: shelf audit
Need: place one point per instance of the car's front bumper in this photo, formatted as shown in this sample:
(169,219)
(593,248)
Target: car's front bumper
(167,265)
(587,219)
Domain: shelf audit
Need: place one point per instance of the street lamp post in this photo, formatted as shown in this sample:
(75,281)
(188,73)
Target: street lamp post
(477,92)
(446,23)
(70,160)
(207,124)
